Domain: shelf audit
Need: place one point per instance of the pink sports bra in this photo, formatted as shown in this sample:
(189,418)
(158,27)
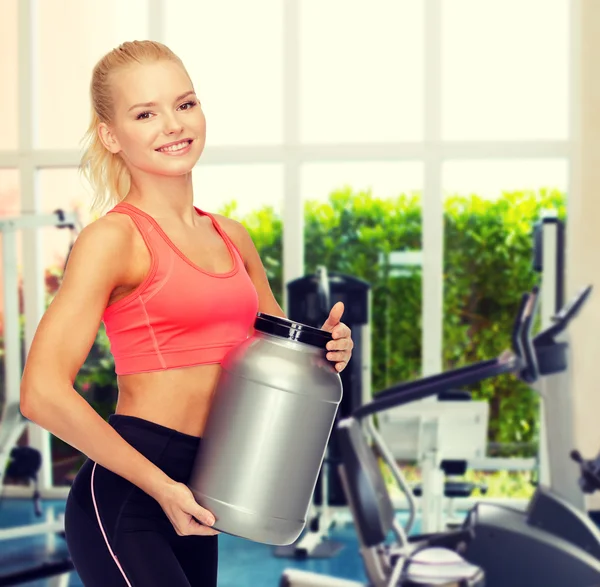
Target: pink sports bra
(180,315)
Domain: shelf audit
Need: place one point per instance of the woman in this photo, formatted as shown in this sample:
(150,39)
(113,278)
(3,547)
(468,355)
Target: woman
(176,288)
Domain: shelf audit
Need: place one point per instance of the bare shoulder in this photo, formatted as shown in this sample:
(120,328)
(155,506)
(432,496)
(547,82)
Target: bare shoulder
(106,234)
(229,225)
(102,244)
(110,226)
(236,231)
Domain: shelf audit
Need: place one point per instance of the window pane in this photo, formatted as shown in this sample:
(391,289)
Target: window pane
(361,70)
(251,187)
(356,213)
(252,194)
(384,179)
(489,179)
(10,197)
(8,75)
(64,70)
(64,189)
(490,208)
(9,206)
(505,69)
(233,52)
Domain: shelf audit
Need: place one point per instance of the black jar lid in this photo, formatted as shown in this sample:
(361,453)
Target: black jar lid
(291,330)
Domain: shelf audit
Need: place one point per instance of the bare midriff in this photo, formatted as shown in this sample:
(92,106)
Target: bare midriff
(177,398)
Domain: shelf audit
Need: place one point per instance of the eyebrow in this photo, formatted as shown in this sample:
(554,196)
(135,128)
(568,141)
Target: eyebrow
(150,104)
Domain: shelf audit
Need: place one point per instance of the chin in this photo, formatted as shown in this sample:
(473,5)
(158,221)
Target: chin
(175,170)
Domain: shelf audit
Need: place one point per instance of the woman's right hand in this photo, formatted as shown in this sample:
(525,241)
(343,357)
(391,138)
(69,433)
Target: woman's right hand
(187,516)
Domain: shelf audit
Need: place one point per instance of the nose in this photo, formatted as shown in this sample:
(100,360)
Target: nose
(173,125)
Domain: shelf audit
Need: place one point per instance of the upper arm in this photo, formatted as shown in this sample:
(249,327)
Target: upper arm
(254,266)
(69,326)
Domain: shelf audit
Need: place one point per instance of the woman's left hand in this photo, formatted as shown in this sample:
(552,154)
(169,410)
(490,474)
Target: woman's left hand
(340,348)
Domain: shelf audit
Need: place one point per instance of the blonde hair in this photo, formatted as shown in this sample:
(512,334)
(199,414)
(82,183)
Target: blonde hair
(107,173)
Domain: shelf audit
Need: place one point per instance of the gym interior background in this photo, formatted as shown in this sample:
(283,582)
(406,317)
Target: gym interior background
(409,143)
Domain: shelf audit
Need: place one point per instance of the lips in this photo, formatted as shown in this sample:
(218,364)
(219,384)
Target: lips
(175,146)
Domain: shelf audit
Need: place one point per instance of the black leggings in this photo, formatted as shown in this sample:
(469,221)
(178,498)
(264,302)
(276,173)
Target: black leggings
(119,536)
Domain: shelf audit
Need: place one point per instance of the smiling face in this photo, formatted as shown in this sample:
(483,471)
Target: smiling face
(157,125)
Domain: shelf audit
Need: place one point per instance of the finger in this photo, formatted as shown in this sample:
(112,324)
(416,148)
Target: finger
(337,356)
(335,315)
(340,366)
(344,344)
(198,528)
(204,517)
(205,531)
(341,331)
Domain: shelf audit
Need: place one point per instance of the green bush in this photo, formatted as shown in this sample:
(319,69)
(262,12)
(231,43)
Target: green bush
(487,267)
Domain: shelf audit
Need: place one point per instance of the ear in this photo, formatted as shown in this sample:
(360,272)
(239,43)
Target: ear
(108,138)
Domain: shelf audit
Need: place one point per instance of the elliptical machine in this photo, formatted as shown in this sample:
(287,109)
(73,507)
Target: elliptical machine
(551,543)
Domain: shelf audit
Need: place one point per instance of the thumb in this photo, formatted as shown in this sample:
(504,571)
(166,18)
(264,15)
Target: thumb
(203,515)
(207,517)
(335,315)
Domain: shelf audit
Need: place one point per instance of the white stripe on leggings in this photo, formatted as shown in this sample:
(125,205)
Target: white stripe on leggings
(104,533)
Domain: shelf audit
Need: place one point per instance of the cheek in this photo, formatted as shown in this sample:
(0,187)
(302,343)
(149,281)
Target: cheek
(199,122)
(139,139)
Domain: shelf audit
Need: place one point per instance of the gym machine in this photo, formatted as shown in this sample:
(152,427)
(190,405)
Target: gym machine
(442,437)
(557,429)
(24,462)
(551,543)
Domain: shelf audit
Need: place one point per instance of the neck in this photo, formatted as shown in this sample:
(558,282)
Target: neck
(169,198)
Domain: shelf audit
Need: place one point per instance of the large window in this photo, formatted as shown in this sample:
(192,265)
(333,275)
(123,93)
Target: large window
(395,116)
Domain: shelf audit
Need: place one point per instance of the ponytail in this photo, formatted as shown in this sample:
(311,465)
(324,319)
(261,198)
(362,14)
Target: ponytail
(105,171)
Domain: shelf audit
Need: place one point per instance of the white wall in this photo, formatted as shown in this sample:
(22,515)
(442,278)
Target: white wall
(583,230)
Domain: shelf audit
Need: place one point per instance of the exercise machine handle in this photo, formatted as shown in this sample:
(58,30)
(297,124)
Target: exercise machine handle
(528,359)
(589,482)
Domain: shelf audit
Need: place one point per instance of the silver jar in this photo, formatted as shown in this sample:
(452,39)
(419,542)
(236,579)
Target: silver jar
(267,431)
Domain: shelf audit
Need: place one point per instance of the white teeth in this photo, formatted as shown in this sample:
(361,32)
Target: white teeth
(176,147)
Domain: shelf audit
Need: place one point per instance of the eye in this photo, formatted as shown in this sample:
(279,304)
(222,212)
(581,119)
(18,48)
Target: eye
(189,105)
(142,116)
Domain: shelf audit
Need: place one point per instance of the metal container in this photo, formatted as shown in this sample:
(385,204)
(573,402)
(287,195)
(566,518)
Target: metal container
(267,431)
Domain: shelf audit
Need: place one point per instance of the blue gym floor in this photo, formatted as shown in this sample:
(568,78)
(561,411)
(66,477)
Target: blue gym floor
(242,563)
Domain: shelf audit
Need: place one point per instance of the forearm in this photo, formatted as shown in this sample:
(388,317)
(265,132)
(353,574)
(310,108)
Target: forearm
(69,417)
